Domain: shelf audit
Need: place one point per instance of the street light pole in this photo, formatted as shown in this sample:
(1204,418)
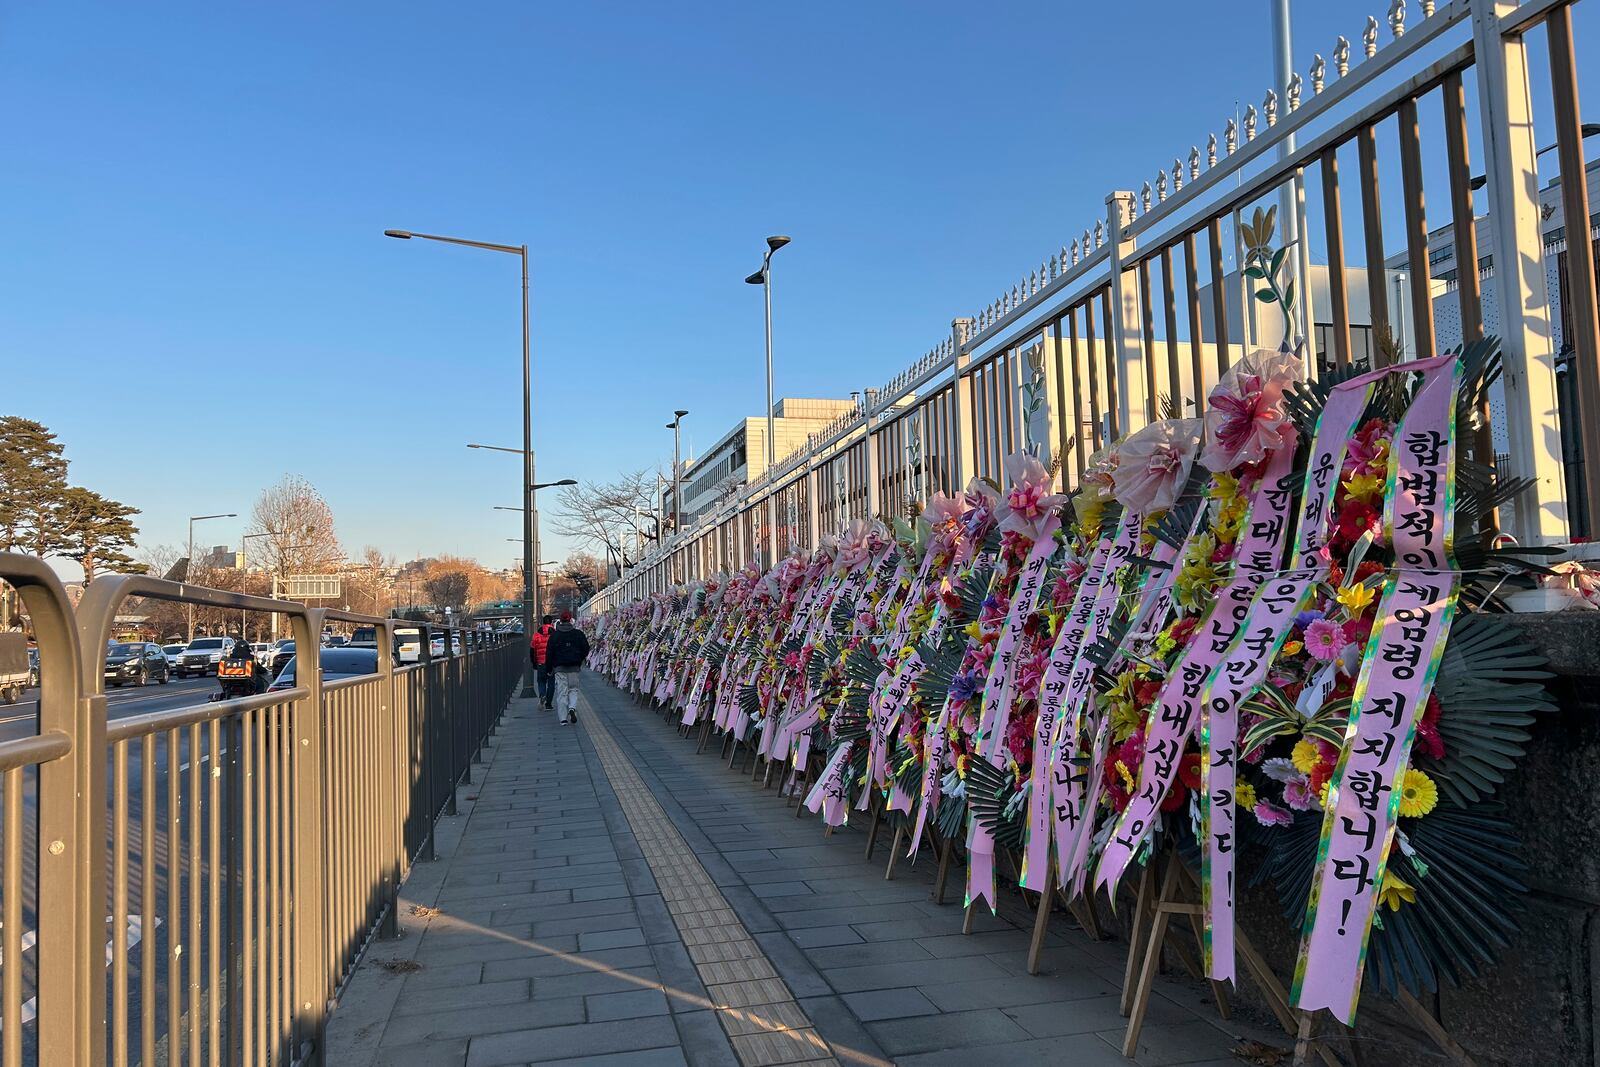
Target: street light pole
(188,564)
(677,485)
(763,278)
(529,686)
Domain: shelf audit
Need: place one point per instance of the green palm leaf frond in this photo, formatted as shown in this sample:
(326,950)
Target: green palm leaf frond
(1304,401)
(909,761)
(861,667)
(842,617)
(940,664)
(749,700)
(1490,687)
(951,817)
(1466,870)
(970,595)
(989,791)
(1172,529)
(1104,650)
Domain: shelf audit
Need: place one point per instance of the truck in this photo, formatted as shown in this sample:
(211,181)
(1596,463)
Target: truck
(15,674)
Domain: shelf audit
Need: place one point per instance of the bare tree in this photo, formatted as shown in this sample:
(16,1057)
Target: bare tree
(297,528)
(613,516)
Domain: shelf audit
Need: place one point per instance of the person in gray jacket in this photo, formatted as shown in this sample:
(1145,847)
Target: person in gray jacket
(568,647)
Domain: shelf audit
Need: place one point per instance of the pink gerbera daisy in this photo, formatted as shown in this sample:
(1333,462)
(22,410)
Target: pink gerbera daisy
(1324,640)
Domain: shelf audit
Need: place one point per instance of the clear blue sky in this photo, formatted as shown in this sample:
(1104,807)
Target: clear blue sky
(195,293)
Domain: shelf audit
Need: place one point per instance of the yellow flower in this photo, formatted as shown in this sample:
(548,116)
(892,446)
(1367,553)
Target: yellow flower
(1366,487)
(1127,777)
(1395,891)
(961,765)
(1244,794)
(1292,648)
(1355,597)
(1322,795)
(973,630)
(1223,486)
(1305,756)
(1125,719)
(1418,794)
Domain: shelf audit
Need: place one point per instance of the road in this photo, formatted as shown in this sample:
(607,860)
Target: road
(21,720)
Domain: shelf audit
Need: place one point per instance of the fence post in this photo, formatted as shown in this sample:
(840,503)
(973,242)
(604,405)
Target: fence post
(874,503)
(1132,404)
(809,543)
(965,459)
(399,765)
(422,710)
(1505,108)
(312,981)
(71,958)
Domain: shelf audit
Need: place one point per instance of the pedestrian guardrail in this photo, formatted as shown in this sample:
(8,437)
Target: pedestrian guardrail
(241,853)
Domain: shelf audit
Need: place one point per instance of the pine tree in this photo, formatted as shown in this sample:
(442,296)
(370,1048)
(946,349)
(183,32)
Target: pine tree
(33,484)
(96,532)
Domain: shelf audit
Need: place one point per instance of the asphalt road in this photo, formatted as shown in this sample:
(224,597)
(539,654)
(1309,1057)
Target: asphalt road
(21,720)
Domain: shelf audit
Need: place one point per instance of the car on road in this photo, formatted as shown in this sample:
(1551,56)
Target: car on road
(336,663)
(262,651)
(136,663)
(408,644)
(172,652)
(282,652)
(14,669)
(436,645)
(201,656)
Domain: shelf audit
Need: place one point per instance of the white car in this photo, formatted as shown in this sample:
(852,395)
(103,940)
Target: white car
(436,646)
(262,650)
(408,644)
(202,655)
(172,652)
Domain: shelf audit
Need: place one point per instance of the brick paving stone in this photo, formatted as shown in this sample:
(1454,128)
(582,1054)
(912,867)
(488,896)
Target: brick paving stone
(611,899)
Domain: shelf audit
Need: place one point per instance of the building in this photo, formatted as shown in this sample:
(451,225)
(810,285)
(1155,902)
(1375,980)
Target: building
(1445,272)
(740,455)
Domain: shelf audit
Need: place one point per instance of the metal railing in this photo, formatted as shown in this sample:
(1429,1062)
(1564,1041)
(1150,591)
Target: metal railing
(1143,311)
(241,852)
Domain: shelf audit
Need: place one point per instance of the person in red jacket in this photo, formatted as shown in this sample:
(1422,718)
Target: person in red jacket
(536,650)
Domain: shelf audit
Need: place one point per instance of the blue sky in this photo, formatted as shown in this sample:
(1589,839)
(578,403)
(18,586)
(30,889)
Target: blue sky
(195,293)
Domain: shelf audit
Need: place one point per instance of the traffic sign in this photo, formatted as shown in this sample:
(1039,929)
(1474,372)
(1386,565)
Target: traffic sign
(312,586)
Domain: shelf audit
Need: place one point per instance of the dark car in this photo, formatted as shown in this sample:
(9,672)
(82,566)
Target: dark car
(281,653)
(336,663)
(136,663)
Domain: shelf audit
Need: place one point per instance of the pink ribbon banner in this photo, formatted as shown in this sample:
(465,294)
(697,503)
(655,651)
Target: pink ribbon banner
(1398,670)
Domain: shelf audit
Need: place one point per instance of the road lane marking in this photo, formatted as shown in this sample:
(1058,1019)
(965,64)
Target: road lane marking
(30,1007)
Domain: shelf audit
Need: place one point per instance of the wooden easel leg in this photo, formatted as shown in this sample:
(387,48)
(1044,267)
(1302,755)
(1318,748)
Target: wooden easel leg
(943,873)
(874,818)
(1424,1018)
(966,919)
(1303,1038)
(1141,919)
(1041,922)
(894,852)
(1147,971)
(705,736)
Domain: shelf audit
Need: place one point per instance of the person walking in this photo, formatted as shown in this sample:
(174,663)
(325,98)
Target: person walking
(537,647)
(565,651)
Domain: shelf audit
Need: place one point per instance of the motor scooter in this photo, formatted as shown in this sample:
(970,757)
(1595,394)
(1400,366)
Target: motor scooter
(239,678)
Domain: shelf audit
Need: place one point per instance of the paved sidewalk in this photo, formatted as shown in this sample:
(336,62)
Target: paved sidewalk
(607,897)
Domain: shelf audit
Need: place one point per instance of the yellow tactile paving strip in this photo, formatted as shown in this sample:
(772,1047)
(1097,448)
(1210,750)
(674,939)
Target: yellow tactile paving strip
(765,1026)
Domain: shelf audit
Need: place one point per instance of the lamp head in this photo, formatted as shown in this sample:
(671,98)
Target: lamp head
(680,414)
(567,481)
(404,235)
(775,243)
(758,278)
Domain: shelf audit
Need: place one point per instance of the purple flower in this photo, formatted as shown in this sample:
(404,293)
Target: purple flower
(964,686)
(1269,814)
(1306,618)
